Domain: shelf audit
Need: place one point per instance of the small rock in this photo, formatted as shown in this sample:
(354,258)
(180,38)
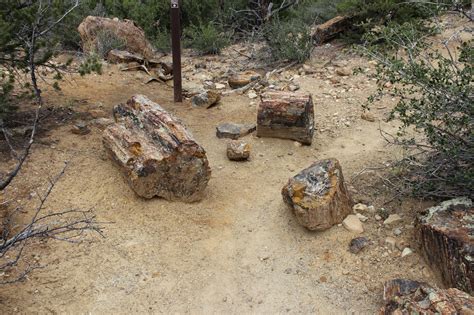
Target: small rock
(353,224)
(377,217)
(357,244)
(407,251)
(220,86)
(368,116)
(397,232)
(238,150)
(393,218)
(293,87)
(390,242)
(343,72)
(80,128)
(362,217)
(252,95)
(234,131)
(242,79)
(206,99)
(360,207)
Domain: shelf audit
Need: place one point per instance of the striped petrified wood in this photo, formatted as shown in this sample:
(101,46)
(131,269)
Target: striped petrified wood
(156,153)
(286,115)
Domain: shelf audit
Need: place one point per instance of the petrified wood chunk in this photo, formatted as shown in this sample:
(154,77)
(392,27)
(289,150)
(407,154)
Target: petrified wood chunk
(157,154)
(446,238)
(287,115)
(326,31)
(318,195)
(121,56)
(238,150)
(234,131)
(412,297)
(242,79)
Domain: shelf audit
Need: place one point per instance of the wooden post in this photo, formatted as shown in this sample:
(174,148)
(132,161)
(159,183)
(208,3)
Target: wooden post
(176,47)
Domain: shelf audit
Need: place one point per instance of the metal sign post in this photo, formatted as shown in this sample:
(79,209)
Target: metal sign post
(176,47)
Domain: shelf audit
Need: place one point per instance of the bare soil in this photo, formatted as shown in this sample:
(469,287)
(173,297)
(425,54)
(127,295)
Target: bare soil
(240,250)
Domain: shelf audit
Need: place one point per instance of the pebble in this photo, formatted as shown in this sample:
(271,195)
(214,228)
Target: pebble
(80,128)
(252,95)
(353,224)
(377,217)
(362,217)
(407,251)
(397,232)
(393,218)
(357,244)
(360,207)
(219,86)
(390,242)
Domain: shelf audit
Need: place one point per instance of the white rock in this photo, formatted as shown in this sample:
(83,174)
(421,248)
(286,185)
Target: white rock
(252,95)
(393,218)
(353,224)
(362,217)
(360,207)
(407,251)
(219,86)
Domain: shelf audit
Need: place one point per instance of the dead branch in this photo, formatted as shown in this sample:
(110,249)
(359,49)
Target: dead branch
(68,225)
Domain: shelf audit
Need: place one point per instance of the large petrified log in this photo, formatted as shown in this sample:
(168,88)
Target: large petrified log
(156,153)
(324,32)
(318,195)
(446,238)
(404,296)
(132,35)
(286,115)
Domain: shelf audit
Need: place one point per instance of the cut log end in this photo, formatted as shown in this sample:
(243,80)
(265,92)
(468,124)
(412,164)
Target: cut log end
(156,153)
(286,115)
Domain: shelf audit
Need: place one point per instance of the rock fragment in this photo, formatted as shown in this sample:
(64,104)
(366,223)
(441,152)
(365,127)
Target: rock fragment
(238,150)
(393,218)
(242,79)
(353,224)
(318,195)
(206,99)
(234,131)
(358,244)
(80,128)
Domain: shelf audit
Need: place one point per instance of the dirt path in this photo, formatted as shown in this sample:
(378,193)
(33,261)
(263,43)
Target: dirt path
(240,250)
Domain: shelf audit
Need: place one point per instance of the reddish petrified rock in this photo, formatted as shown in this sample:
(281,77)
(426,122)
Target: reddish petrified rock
(404,296)
(156,153)
(318,195)
(446,239)
(286,115)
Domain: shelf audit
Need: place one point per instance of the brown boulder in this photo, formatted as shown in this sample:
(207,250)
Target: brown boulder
(132,35)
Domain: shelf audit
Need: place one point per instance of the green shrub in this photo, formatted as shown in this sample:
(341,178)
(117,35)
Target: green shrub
(107,41)
(205,38)
(435,100)
(289,40)
(6,87)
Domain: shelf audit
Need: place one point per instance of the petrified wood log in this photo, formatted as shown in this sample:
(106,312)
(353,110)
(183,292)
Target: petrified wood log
(412,297)
(156,153)
(445,234)
(324,32)
(286,115)
(318,195)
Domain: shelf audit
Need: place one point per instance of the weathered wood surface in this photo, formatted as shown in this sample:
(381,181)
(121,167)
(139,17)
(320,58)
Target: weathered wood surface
(156,153)
(324,32)
(132,35)
(404,296)
(318,195)
(446,238)
(286,115)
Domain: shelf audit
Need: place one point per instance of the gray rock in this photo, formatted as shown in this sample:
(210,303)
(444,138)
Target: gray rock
(80,128)
(234,131)
(357,244)
(206,99)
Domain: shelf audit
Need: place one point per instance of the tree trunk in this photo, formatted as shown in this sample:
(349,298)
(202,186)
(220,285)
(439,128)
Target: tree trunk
(445,236)
(318,195)
(286,115)
(156,153)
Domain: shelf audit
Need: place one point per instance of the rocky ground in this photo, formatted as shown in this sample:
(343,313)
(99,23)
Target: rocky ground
(240,250)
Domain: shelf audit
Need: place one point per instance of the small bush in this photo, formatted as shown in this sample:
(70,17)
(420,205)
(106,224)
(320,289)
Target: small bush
(289,40)
(107,41)
(435,106)
(162,41)
(6,87)
(205,38)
